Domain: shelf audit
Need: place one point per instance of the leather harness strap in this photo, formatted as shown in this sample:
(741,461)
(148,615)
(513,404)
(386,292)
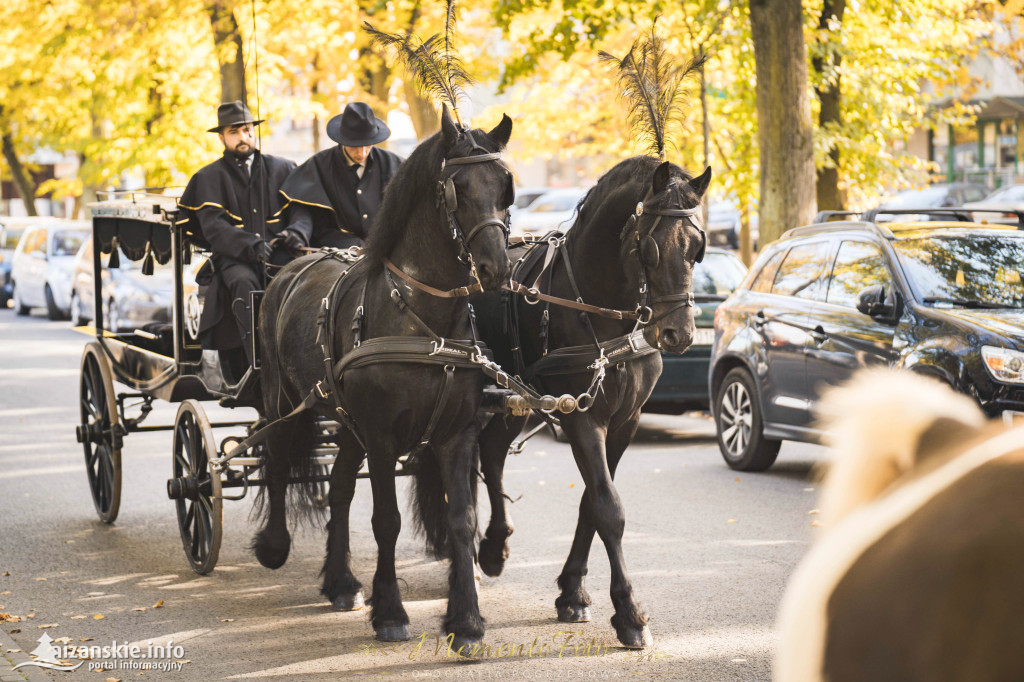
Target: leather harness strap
(457,292)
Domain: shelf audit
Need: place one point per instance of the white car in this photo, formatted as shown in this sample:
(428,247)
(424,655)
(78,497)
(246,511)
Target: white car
(554,210)
(42,264)
(999,205)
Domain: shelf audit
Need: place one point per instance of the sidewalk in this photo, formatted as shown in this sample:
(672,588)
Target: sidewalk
(9,659)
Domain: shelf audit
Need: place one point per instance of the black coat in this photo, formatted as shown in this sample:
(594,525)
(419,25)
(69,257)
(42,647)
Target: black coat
(234,215)
(328,205)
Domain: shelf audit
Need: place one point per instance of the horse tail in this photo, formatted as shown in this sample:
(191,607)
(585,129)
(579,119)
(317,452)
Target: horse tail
(429,504)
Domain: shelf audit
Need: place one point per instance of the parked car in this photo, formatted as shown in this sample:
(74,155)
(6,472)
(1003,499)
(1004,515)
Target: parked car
(683,384)
(131,300)
(11,230)
(1008,199)
(945,299)
(939,195)
(554,210)
(723,226)
(526,196)
(41,267)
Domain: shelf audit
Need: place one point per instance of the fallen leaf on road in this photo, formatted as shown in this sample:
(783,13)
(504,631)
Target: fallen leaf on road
(78,617)
(572,485)
(68,542)
(63,640)
(158,604)
(5,573)
(4,594)
(227,620)
(737,480)
(31,615)
(139,608)
(815,523)
(98,616)
(14,651)
(812,512)
(731,521)
(85,639)
(113,679)
(184,661)
(40,580)
(15,631)
(8,618)
(48,625)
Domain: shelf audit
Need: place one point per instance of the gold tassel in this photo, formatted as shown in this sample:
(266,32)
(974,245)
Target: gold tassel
(115,261)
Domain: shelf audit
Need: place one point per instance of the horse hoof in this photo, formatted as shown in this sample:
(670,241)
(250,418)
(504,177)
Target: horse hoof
(465,647)
(636,638)
(267,554)
(492,557)
(574,614)
(392,633)
(349,602)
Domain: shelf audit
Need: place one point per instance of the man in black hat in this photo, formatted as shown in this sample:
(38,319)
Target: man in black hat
(235,205)
(333,196)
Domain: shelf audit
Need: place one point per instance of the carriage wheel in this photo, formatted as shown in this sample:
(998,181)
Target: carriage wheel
(100,433)
(195,487)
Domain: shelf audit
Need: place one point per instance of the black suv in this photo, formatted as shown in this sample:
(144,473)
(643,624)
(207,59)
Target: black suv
(944,298)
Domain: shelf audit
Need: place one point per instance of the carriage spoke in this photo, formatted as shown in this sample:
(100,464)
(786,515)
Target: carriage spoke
(186,469)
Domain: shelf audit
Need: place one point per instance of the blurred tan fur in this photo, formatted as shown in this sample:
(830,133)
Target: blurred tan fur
(876,424)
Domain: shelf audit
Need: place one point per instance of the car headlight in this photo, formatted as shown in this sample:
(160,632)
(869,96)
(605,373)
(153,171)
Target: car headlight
(1004,364)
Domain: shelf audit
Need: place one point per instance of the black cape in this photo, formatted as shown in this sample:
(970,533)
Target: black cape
(328,205)
(231,214)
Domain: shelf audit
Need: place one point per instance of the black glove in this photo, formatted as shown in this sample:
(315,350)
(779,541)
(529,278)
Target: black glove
(261,252)
(291,241)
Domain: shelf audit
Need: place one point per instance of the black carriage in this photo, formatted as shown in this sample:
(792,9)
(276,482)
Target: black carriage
(167,362)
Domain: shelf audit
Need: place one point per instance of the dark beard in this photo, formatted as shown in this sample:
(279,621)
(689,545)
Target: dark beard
(242,156)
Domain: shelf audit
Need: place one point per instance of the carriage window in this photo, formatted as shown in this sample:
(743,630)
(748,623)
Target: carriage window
(802,272)
(764,279)
(859,265)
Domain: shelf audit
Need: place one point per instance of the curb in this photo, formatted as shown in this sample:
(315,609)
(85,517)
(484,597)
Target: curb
(8,660)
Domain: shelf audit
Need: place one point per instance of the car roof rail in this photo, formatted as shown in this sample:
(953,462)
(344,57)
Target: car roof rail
(824,228)
(960,213)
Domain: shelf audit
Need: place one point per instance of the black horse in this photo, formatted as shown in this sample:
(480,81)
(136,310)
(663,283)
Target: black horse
(452,181)
(615,250)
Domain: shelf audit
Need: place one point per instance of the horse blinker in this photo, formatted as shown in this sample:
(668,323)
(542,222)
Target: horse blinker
(650,255)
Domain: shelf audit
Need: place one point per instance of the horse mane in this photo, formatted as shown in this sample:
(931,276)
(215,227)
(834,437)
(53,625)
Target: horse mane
(414,186)
(616,193)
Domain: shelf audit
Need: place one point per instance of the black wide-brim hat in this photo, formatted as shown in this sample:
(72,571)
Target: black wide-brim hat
(357,127)
(233,114)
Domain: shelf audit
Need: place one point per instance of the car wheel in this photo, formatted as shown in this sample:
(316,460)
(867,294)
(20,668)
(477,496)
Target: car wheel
(19,307)
(52,311)
(739,426)
(77,318)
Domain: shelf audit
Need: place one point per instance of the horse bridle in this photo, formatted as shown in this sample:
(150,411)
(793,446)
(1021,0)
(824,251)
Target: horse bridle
(649,257)
(448,202)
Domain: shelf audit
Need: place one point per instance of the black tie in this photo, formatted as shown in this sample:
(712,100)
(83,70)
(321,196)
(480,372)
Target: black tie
(355,172)
(244,167)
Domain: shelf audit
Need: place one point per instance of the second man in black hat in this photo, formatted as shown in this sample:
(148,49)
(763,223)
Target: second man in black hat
(333,197)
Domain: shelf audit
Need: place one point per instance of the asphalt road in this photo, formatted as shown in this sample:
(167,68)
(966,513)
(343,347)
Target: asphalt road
(709,552)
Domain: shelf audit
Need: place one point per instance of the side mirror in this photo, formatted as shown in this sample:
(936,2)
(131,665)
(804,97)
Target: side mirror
(38,255)
(876,301)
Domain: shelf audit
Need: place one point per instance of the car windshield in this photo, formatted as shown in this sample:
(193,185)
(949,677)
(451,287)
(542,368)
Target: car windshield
(1014,193)
(564,202)
(930,197)
(980,271)
(717,275)
(67,243)
(9,238)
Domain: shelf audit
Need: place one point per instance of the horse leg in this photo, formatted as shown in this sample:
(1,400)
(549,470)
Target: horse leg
(340,586)
(463,619)
(272,544)
(390,621)
(601,510)
(494,442)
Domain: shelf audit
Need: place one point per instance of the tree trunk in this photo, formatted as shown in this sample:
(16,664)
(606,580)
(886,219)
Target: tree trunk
(227,40)
(425,119)
(783,117)
(830,97)
(22,178)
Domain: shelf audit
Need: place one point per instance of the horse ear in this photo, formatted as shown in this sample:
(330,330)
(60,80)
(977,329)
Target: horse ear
(449,128)
(662,174)
(502,132)
(700,183)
